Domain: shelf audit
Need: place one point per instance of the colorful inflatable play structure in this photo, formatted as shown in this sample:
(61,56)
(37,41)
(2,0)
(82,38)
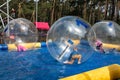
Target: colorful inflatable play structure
(111,72)
(28,46)
(66,41)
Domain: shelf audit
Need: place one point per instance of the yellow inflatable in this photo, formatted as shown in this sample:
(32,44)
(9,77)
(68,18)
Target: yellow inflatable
(28,46)
(110,46)
(111,72)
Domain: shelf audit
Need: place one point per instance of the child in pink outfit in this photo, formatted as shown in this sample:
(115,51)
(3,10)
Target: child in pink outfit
(99,46)
(21,48)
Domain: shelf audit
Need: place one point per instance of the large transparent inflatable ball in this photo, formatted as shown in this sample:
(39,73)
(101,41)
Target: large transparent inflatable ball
(104,36)
(67,34)
(22,32)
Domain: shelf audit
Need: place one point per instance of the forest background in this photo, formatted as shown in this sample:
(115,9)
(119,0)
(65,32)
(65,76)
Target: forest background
(51,10)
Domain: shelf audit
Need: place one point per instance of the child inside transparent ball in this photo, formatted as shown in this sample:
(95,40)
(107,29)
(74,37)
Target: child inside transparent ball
(20,47)
(75,54)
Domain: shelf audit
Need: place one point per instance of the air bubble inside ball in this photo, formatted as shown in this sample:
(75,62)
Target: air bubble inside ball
(21,31)
(66,34)
(107,33)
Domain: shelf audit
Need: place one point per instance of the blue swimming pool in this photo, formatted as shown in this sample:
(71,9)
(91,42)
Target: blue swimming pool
(39,65)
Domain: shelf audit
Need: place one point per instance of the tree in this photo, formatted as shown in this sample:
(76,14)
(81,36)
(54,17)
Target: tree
(52,12)
(106,9)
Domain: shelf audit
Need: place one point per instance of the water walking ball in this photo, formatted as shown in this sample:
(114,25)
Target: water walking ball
(104,36)
(65,35)
(21,31)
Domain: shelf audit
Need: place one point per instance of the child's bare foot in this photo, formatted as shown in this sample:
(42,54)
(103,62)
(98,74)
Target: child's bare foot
(65,62)
(79,62)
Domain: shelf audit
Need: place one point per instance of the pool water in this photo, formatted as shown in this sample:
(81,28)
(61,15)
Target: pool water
(40,65)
